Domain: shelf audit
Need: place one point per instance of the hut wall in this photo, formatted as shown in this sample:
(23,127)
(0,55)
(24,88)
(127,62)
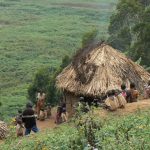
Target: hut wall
(70,100)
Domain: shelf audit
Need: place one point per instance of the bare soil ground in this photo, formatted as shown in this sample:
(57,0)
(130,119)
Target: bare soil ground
(130,108)
(47,124)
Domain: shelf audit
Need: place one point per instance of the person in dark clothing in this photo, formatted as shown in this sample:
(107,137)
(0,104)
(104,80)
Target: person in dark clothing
(95,102)
(58,115)
(29,119)
(19,128)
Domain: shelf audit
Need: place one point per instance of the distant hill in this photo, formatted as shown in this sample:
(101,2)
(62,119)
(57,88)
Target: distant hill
(38,33)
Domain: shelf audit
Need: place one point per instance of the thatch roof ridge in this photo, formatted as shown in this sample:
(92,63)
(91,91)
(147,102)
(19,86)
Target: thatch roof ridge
(101,69)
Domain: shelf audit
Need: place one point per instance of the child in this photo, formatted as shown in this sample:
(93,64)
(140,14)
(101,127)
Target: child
(19,128)
(133,94)
(48,109)
(64,114)
(19,116)
(147,90)
(124,91)
(42,115)
(58,115)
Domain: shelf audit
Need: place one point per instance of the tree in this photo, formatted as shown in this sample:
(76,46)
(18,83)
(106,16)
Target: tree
(88,38)
(45,80)
(40,82)
(129,29)
(142,45)
(121,23)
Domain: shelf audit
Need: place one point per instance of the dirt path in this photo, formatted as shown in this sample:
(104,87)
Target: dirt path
(47,124)
(130,108)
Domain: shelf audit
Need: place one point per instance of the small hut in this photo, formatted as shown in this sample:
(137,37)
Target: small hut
(96,70)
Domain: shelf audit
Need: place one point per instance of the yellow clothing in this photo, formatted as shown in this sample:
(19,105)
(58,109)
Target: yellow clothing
(121,101)
(112,103)
(64,117)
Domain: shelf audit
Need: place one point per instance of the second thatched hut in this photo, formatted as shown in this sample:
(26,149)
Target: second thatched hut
(96,70)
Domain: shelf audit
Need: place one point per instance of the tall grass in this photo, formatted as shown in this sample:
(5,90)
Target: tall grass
(35,33)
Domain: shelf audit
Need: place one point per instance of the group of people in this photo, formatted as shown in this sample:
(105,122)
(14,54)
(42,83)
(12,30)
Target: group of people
(42,110)
(118,98)
(112,100)
(27,120)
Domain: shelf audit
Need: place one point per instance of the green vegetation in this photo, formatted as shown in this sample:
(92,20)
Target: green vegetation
(121,133)
(130,29)
(45,81)
(36,34)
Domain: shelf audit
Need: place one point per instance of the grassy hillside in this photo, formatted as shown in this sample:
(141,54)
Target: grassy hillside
(38,33)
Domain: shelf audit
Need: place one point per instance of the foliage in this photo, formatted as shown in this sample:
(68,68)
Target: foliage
(45,81)
(127,132)
(39,34)
(88,38)
(129,29)
(142,45)
(40,82)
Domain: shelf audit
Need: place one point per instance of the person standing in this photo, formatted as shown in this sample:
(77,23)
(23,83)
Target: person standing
(64,114)
(58,118)
(124,90)
(19,128)
(147,90)
(29,119)
(40,102)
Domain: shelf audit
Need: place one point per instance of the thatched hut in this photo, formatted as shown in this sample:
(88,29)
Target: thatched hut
(94,71)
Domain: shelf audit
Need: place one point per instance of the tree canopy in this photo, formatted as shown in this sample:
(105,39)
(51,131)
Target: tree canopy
(129,29)
(44,80)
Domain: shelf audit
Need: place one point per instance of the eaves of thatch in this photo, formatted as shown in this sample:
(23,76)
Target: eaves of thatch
(100,70)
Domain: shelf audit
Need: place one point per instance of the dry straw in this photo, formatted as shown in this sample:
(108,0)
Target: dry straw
(98,70)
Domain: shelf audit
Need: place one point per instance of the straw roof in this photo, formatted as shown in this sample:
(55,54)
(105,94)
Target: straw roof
(99,70)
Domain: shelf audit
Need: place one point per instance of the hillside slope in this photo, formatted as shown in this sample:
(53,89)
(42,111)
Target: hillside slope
(36,34)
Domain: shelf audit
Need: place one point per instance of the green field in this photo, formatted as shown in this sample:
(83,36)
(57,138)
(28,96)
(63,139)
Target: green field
(38,33)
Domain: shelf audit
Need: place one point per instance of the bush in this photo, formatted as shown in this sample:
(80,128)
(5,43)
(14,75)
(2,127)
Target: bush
(45,80)
(89,130)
